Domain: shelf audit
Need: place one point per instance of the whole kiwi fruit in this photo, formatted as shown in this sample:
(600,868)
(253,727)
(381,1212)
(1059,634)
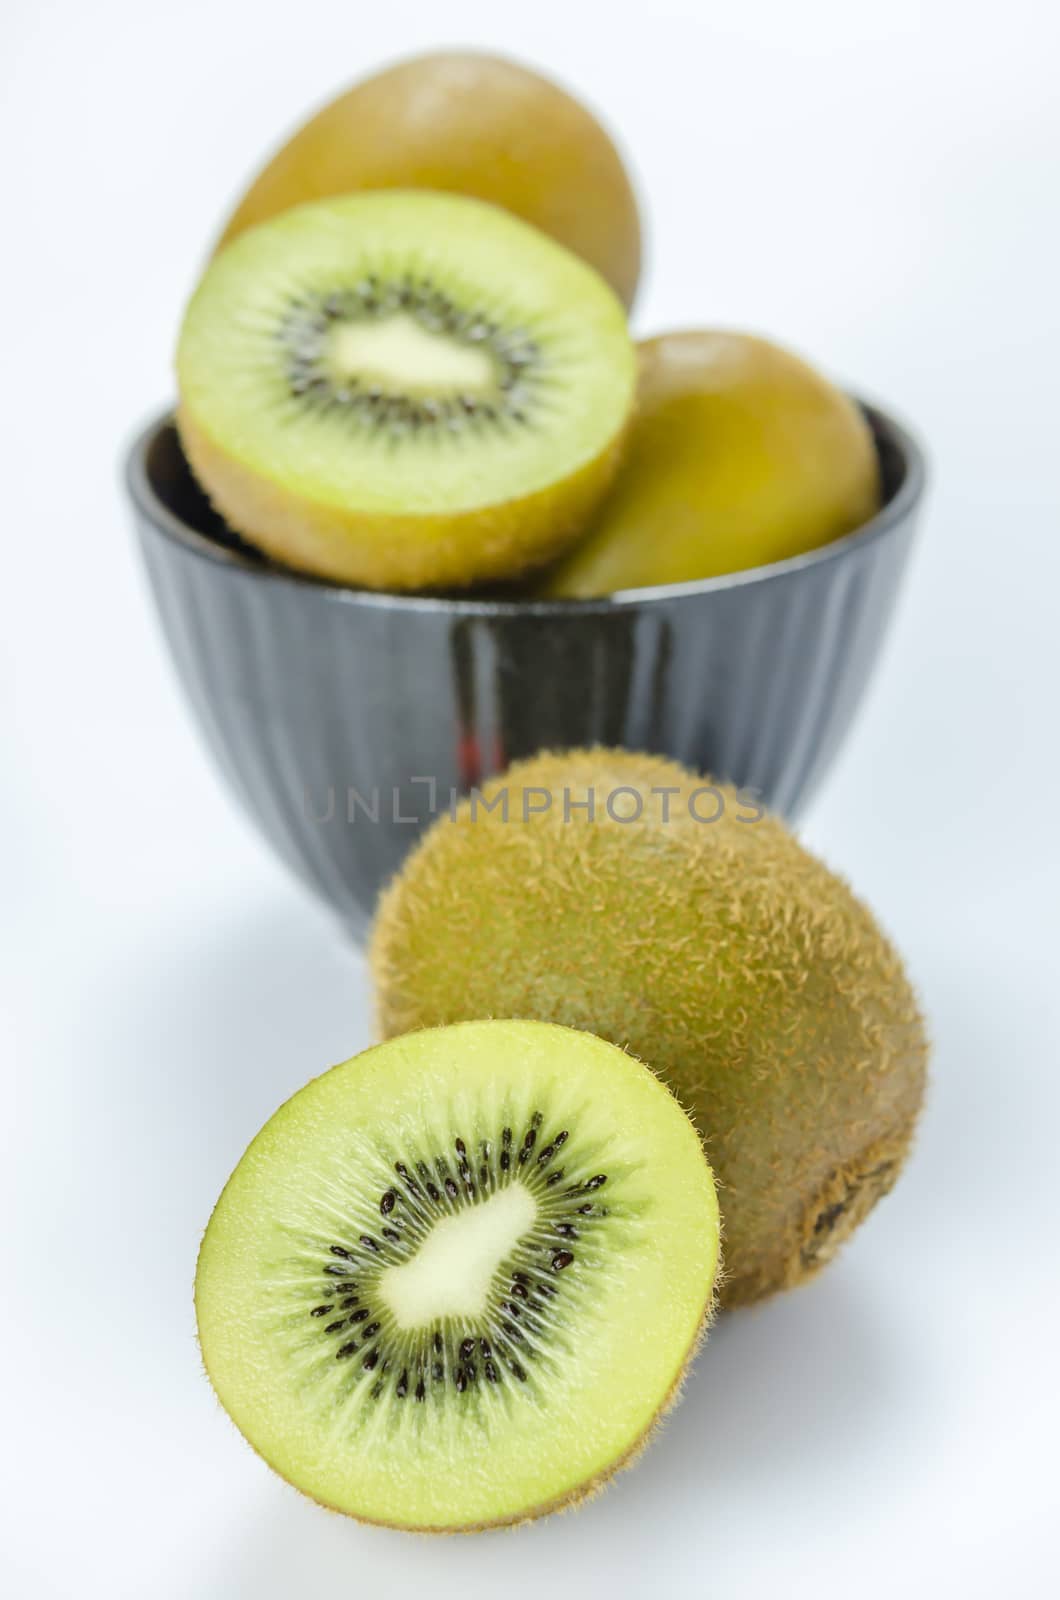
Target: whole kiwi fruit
(741,455)
(680,921)
(454,1282)
(475,124)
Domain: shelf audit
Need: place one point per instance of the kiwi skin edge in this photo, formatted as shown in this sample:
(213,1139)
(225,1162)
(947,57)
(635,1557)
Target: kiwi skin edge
(469,123)
(799,1050)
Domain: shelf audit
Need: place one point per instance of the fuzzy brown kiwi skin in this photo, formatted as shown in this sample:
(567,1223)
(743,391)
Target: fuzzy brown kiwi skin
(468,123)
(741,455)
(568,1501)
(726,956)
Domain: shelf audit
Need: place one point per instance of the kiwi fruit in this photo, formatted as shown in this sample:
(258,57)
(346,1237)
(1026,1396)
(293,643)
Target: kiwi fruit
(472,124)
(403,390)
(682,922)
(741,455)
(454,1282)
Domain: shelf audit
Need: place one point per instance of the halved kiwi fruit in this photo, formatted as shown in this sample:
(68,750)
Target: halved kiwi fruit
(473,124)
(677,919)
(404,390)
(453,1282)
(741,455)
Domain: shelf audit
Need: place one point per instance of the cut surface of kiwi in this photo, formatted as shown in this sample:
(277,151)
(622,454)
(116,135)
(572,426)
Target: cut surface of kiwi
(741,455)
(403,390)
(469,123)
(621,893)
(453,1282)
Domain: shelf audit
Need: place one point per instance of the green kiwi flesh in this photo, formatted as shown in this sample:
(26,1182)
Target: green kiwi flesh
(453,1282)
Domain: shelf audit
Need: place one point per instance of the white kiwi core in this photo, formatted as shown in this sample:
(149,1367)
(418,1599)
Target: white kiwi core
(399,354)
(451,1272)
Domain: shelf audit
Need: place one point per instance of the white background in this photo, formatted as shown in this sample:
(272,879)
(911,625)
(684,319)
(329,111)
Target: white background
(876,184)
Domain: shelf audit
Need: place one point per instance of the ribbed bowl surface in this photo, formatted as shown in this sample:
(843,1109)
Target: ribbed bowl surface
(344,719)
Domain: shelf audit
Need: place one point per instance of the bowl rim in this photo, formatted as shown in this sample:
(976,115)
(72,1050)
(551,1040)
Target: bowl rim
(889,517)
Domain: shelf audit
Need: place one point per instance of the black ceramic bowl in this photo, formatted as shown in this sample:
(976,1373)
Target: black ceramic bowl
(343,719)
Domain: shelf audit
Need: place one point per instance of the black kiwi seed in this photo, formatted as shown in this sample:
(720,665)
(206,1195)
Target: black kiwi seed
(506,1160)
(321,1311)
(421,1390)
(388,1202)
(566,1230)
(561,1259)
(555,1177)
(392,1234)
(438,1343)
(371,1330)
(338,1250)
(369,1243)
(519,1290)
(545,1156)
(401,1388)
(451,1189)
(333,1327)
(484,1346)
(345,1350)
(518,1371)
(461,1147)
(595,1183)
(584,1211)
(370,1360)
(506,1137)
(337,1272)
(491,1372)
(360,1316)
(460,1380)
(467,1348)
